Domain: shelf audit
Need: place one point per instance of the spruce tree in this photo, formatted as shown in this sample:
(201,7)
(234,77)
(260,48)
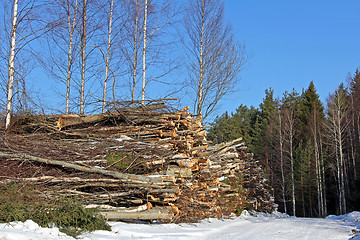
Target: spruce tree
(311,122)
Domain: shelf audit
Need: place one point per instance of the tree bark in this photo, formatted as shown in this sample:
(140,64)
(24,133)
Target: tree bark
(144,54)
(135,54)
(71,35)
(107,56)
(158,213)
(282,161)
(201,64)
(11,66)
(83,57)
(291,121)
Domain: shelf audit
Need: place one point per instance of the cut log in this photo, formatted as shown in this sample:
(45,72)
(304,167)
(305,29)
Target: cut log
(104,208)
(72,120)
(156,213)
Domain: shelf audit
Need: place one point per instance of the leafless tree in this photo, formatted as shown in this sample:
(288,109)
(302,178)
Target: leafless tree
(316,133)
(108,54)
(60,59)
(11,67)
(215,57)
(131,46)
(71,23)
(26,26)
(337,115)
(282,164)
(83,55)
(289,112)
(146,5)
(90,31)
(148,38)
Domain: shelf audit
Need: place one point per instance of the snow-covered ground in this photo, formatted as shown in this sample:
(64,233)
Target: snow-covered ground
(262,227)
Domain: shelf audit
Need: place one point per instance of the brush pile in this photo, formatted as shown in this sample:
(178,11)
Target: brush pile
(145,163)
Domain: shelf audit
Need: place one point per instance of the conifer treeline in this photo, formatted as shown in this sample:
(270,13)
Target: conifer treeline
(310,152)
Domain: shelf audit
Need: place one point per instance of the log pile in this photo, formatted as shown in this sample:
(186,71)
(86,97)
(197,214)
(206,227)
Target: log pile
(156,165)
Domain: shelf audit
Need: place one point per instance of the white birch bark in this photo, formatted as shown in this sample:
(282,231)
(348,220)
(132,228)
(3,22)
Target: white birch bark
(337,112)
(135,54)
(322,166)
(338,166)
(83,58)
(291,122)
(317,167)
(107,56)
(71,34)
(11,66)
(342,160)
(282,161)
(144,54)
(201,64)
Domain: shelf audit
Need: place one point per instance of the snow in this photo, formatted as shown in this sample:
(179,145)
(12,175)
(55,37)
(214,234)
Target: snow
(259,226)
(123,138)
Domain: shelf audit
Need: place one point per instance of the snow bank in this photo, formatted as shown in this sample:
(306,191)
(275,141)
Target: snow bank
(29,230)
(352,219)
(250,225)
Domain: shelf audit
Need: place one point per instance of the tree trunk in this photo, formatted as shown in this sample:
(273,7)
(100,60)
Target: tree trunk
(323,178)
(83,58)
(71,34)
(302,195)
(135,56)
(282,161)
(292,169)
(341,166)
(158,213)
(144,54)
(11,67)
(107,56)
(201,62)
(317,167)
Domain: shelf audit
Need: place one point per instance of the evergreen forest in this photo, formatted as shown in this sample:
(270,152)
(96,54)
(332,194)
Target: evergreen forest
(310,150)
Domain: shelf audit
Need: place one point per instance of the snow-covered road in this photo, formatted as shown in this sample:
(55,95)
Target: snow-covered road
(261,227)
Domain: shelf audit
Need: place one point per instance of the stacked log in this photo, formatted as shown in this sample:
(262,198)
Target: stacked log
(172,173)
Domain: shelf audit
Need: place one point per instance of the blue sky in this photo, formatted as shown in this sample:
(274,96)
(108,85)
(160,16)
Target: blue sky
(293,42)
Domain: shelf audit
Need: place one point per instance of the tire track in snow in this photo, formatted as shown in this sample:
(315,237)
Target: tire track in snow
(284,228)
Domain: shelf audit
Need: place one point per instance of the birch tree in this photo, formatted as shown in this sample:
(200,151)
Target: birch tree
(157,44)
(131,46)
(289,111)
(83,56)
(144,53)
(71,27)
(215,57)
(61,58)
(281,146)
(107,61)
(337,115)
(11,68)
(26,27)
(148,41)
